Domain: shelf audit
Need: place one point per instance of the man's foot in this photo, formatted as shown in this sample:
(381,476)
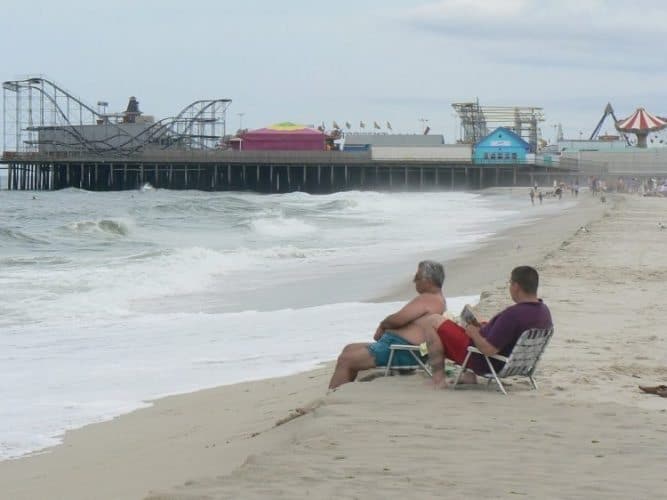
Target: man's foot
(437,381)
(467,378)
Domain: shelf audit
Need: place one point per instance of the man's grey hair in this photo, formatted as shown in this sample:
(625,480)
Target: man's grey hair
(432,271)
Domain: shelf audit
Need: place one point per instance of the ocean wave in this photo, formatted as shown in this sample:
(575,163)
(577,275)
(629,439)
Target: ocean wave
(205,205)
(146,255)
(18,236)
(32,261)
(281,227)
(337,205)
(286,252)
(107,226)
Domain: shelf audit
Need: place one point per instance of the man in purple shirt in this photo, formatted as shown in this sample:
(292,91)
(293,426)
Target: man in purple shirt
(499,336)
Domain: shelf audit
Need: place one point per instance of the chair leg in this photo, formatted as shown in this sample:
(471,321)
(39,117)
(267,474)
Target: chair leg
(532,381)
(495,375)
(501,387)
(391,357)
(463,369)
(421,363)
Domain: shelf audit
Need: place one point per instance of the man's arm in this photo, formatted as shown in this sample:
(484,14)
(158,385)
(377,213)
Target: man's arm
(497,334)
(416,308)
(484,346)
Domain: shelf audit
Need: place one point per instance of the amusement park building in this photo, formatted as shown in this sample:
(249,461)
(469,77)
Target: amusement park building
(106,136)
(355,140)
(500,146)
(574,145)
(285,136)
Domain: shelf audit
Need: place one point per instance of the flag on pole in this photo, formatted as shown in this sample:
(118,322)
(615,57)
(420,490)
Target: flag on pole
(376,125)
(388,126)
(348,125)
(362,124)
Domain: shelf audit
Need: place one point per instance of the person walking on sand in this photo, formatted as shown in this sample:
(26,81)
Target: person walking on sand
(540,196)
(532,196)
(405,326)
(444,338)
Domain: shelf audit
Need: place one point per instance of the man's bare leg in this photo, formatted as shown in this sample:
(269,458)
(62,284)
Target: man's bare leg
(353,359)
(436,358)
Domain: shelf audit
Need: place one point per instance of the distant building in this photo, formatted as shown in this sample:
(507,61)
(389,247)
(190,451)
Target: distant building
(586,145)
(445,153)
(284,136)
(501,146)
(363,142)
(103,137)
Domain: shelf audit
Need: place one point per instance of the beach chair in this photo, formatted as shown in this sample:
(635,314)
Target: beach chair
(521,361)
(415,350)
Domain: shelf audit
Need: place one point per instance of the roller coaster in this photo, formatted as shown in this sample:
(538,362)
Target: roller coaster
(40,116)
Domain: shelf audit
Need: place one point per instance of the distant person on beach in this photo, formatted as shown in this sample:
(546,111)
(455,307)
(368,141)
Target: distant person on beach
(540,196)
(446,339)
(532,196)
(403,327)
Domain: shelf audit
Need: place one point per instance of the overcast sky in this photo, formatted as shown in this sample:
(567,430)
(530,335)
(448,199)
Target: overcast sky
(348,60)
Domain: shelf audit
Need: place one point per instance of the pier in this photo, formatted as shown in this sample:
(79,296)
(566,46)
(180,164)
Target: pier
(52,140)
(263,172)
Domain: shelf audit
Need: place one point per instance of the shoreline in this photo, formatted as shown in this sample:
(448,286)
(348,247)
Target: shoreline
(210,433)
(388,274)
(478,269)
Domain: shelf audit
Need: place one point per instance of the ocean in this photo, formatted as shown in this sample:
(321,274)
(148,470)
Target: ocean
(110,300)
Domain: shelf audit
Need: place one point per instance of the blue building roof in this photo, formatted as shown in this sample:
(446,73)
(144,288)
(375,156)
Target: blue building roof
(501,146)
(502,137)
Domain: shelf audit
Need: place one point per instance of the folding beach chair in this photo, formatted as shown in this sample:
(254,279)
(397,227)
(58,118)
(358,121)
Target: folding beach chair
(521,362)
(415,350)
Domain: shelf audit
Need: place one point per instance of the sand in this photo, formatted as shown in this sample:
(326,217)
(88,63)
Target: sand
(587,433)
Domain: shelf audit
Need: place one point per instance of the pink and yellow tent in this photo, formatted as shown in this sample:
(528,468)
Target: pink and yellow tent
(285,136)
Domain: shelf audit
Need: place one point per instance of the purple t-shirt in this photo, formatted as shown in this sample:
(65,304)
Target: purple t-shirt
(506,327)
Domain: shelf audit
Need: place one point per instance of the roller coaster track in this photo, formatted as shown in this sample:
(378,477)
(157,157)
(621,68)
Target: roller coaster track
(40,105)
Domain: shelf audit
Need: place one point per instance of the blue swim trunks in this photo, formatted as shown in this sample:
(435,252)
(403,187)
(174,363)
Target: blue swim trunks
(380,351)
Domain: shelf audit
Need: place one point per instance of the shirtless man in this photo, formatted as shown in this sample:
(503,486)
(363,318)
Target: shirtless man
(406,326)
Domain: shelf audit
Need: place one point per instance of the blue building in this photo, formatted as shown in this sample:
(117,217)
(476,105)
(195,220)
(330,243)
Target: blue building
(500,146)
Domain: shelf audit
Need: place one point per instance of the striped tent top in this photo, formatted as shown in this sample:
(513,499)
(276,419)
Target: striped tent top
(641,120)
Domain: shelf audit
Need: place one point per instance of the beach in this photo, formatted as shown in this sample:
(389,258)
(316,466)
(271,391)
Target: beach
(587,433)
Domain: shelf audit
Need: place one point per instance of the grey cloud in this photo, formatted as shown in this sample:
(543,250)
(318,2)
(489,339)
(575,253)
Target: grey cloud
(598,36)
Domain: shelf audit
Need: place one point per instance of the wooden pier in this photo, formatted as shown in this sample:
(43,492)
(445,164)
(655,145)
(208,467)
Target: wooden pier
(263,172)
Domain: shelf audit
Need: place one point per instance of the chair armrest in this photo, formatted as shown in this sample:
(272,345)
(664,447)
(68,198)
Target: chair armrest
(494,356)
(404,347)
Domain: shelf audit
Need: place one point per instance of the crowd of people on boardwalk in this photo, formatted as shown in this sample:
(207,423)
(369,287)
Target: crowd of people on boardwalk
(599,187)
(632,185)
(654,187)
